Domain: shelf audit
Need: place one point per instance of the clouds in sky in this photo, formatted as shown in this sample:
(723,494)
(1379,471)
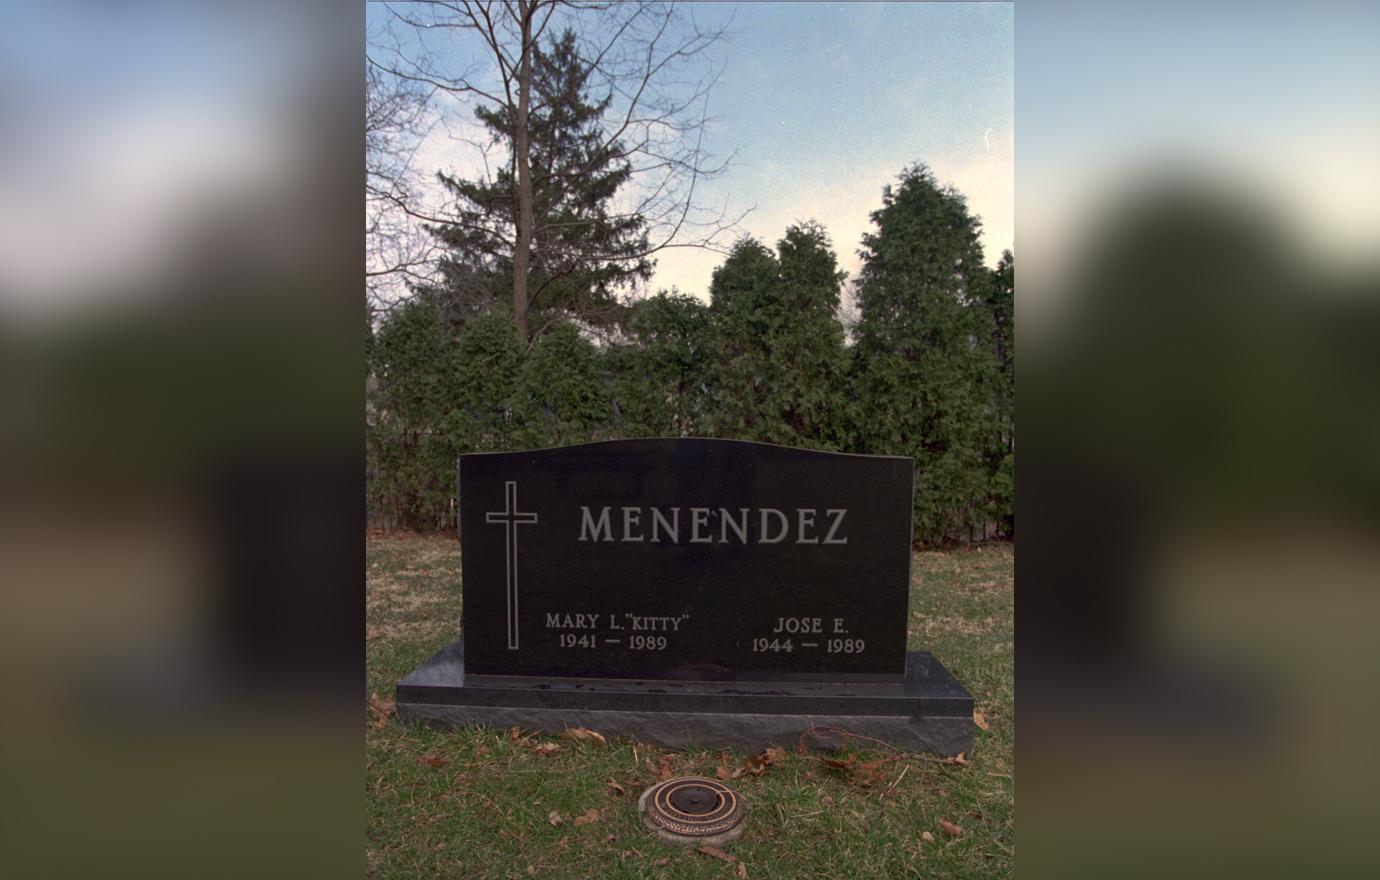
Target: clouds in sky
(823,107)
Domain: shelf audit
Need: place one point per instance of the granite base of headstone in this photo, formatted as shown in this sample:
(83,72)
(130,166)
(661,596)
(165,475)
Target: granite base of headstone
(710,593)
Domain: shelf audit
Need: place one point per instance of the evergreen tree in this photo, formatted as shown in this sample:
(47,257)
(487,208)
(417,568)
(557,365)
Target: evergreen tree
(924,368)
(778,355)
(1001,294)
(659,382)
(562,396)
(583,251)
(414,459)
(484,369)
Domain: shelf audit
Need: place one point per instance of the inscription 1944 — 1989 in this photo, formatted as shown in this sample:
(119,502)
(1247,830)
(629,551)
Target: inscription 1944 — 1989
(685,559)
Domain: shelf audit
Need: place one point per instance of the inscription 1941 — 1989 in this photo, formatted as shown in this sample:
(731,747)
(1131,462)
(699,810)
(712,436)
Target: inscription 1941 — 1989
(694,559)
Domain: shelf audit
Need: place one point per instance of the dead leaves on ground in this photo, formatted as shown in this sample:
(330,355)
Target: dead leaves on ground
(588,817)
(664,769)
(726,858)
(862,772)
(546,749)
(383,708)
(753,765)
(980,719)
(950,828)
(431,759)
(852,766)
(716,853)
(584,734)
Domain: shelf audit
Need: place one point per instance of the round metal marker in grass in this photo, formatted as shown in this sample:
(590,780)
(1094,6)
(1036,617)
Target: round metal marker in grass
(692,809)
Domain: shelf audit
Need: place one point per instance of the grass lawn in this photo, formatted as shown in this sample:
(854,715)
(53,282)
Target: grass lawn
(484,803)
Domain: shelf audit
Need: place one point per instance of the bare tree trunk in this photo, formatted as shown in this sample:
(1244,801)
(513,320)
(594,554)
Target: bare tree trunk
(526,223)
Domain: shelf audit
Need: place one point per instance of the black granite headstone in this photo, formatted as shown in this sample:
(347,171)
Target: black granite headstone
(716,592)
(695,559)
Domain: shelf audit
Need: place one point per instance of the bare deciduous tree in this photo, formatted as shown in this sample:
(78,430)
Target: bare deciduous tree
(396,114)
(651,60)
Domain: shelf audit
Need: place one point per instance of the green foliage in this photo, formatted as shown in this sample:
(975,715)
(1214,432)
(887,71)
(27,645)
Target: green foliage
(484,365)
(776,374)
(561,396)
(924,370)
(1001,301)
(930,373)
(437,395)
(411,358)
(659,373)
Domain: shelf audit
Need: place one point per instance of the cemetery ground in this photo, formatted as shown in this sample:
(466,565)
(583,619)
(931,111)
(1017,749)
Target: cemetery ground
(486,803)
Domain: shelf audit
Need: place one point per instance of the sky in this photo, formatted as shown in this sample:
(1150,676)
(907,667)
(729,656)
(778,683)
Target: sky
(825,104)
(150,116)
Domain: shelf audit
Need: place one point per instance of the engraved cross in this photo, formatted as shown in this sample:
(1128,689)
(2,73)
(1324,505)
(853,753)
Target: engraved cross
(511,518)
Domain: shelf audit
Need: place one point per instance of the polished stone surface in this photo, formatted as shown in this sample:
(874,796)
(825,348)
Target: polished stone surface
(712,593)
(928,711)
(686,559)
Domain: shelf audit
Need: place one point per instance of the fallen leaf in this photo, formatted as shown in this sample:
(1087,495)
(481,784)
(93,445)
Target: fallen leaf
(927,837)
(555,817)
(742,871)
(872,771)
(431,759)
(615,790)
(827,801)
(961,759)
(839,764)
(610,838)
(507,833)
(382,707)
(584,734)
(514,733)
(662,862)
(980,719)
(546,749)
(737,771)
(755,765)
(666,768)
(950,828)
(717,853)
(775,756)
(721,771)
(588,817)
(800,748)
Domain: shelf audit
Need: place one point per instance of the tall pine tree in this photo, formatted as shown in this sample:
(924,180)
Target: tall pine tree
(924,367)
(778,363)
(584,251)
